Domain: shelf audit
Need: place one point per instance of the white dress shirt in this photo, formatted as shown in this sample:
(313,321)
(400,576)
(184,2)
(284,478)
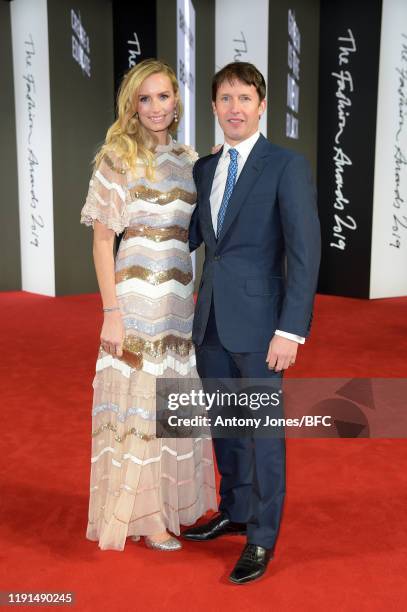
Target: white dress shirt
(218,188)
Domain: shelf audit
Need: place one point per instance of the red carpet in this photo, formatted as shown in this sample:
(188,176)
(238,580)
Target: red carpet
(343,543)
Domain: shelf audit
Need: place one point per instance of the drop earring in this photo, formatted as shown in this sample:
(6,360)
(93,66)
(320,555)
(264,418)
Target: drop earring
(136,115)
(175,116)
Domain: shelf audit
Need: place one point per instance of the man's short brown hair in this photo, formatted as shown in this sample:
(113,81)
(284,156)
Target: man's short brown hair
(241,71)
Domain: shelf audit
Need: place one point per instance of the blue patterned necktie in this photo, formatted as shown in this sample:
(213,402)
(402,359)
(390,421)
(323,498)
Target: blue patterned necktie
(230,183)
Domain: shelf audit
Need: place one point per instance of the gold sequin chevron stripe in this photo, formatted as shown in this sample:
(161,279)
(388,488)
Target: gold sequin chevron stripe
(111,165)
(159,197)
(133,431)
(157,348)
(158,234)
(134,347)
(154,278)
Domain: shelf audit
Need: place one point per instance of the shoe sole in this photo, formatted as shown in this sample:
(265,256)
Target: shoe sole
(247,581)
(193,539)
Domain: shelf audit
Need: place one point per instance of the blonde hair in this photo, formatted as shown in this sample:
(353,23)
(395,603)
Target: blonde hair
(127,137)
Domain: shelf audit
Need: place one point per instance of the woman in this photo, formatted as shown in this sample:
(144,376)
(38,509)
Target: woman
(142,184)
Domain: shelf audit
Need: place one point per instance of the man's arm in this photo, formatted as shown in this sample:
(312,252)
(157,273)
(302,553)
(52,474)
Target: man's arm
(195,235)
(300,224)
(302,238)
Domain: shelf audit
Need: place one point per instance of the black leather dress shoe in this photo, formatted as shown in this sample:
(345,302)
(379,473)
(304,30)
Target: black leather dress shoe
(252,564)
(219,525)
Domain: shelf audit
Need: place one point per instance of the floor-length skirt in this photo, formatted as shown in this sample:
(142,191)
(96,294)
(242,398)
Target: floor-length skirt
(140,484)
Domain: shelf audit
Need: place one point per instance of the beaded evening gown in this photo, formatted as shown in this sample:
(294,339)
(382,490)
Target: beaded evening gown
(140,485)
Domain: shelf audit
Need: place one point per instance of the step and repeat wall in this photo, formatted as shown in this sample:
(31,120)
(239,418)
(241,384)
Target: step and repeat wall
(336,93)
(281,38)
(293,77)
(362,148)
(63,84)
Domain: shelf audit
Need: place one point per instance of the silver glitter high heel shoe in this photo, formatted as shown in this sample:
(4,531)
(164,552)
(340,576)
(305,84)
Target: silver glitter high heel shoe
(167,545)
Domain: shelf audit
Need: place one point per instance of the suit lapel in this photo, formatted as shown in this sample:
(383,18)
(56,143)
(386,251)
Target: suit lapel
(248,176)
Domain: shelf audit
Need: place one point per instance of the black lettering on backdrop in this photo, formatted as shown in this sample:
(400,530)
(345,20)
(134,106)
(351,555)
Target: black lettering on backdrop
(240,47)
(37,221)
(399,218)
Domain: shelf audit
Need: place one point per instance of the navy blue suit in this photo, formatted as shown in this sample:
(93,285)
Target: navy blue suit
(260,275)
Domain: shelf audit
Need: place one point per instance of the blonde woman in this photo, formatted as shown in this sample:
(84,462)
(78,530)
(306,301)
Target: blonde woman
(142,184)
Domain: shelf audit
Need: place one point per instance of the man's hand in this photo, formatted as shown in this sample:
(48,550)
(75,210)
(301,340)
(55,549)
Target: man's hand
(282,353)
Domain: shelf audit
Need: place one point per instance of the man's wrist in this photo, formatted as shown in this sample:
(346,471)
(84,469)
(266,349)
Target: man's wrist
(289,336)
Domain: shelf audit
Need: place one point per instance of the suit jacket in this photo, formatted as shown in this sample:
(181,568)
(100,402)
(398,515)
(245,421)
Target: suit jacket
(262,272)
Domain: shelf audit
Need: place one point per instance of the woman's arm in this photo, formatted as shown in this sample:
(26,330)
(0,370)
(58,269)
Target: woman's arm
(112,334)
(105,210)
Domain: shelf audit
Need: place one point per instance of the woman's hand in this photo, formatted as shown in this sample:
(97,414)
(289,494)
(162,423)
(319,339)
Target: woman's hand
(112,334)
(216,148)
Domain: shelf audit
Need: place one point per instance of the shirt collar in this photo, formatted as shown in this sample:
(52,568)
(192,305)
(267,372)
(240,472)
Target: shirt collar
(243,148)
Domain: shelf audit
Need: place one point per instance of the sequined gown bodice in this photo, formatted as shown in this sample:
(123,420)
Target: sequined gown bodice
(135,477)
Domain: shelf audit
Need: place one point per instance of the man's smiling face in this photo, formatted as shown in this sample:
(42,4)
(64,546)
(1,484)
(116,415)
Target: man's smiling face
(238,109)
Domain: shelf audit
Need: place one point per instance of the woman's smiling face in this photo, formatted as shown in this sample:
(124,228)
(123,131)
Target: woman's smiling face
(156,103)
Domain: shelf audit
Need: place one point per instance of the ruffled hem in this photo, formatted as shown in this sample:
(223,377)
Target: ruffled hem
(111,533)
(113,537)
(93,215)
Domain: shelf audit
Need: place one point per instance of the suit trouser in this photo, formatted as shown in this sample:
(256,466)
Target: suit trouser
(252,469)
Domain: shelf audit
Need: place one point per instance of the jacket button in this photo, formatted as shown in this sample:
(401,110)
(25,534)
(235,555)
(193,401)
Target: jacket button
(217,257)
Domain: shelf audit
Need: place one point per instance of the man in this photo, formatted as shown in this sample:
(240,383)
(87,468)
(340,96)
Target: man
(257,216)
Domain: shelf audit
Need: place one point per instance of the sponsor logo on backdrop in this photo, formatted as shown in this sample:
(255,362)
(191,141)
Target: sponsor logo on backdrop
(184,62)
(293,77)
(399,208)
(343,222)
(186,69)
(186,74)
(80,43)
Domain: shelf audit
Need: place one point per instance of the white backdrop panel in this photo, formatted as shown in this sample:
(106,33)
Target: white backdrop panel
(388,272)
(29,25)
(241,34)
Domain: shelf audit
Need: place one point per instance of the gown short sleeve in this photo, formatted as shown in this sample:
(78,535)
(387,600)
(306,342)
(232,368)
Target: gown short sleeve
(108,195)
(193,155)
